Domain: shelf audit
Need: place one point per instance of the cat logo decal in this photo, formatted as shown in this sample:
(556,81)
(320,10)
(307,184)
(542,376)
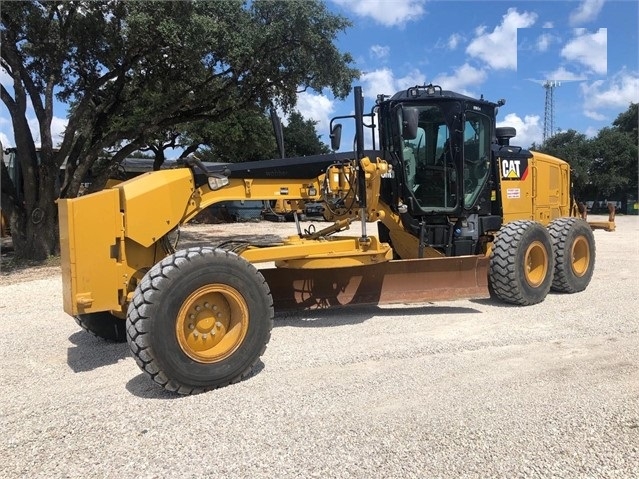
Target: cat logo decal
(514,169)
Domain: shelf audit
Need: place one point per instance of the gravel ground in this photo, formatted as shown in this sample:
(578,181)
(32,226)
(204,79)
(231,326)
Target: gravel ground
(451,389)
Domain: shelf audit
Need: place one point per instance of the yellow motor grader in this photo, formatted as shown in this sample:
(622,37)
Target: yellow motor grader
(460,213)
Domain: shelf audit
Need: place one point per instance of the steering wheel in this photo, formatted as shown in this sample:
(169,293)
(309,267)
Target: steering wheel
(470,183)
(475,170)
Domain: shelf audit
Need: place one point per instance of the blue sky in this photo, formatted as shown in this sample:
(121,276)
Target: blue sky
(501,49)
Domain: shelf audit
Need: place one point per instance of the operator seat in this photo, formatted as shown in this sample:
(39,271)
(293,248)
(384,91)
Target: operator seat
(410,167)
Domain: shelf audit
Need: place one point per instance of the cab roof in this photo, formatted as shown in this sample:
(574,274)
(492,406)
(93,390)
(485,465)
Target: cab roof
(421,92)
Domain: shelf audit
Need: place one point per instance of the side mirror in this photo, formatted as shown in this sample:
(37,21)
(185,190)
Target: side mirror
(336,136)
(410,118)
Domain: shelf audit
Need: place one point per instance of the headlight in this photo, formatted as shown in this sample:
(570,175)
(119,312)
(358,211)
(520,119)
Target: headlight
(217,181)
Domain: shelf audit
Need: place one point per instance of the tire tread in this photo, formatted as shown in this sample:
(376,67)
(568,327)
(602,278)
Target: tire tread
(139,322)
(504,274)
(559,231)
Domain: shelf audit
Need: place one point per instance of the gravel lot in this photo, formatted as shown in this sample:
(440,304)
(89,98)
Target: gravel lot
(451,389)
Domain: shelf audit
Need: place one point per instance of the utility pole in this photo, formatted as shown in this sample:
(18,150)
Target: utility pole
(549,110)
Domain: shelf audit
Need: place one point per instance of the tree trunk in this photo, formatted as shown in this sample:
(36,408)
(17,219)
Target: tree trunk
(159,158)
(34,229)
(35,235)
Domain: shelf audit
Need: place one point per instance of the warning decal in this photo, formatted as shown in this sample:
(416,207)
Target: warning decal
(513,193)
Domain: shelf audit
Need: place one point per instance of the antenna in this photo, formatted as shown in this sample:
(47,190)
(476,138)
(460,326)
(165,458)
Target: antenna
(549,110)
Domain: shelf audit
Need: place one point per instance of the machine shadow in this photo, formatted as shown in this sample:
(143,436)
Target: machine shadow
(142,386)
(493,302)
(356,314)
(498,303)
(90,352)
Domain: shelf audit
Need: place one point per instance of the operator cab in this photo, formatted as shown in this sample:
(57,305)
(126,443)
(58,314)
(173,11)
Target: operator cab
(442,141)
(439,143)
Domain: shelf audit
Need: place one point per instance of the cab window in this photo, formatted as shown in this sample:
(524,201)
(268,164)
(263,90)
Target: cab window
(476,150)
(431,174)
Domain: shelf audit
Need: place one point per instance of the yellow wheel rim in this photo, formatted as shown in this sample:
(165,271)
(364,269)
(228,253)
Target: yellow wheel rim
(536,264)
(580,256)
(212,323)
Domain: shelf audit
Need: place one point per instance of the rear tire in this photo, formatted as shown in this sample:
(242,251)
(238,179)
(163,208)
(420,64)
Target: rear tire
(200,319)
(521,263)
(574,246)
(103,325)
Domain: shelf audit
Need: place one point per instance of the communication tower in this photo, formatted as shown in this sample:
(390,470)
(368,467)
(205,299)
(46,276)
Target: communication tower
(549,110)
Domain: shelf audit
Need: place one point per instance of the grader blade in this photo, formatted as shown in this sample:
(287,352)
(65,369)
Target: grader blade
(400,281)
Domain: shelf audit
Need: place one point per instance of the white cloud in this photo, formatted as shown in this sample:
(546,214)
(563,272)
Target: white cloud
(587,11)
(6,132)
(499,47)
(58,125)
(6,142)
(379,52)
(35,130)
(594,115)
(378,81)
(561,74)
(465,76)
(544,41)
(548,25)
(5,79)
(454,40)
(588,49)
(591,132)
(617,92)
(529,129)
(386,12)
(383,81)
(413,78)
(318,108)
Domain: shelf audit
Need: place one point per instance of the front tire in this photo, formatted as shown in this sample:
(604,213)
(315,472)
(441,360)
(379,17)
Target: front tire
(200,319)
(104,325)
(521,263)
(574,246)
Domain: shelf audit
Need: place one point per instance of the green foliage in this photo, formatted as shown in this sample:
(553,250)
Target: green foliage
(243,136)
(628,122)
(614,162)
(604,166)
(133,71)
(248,136)
(301,138)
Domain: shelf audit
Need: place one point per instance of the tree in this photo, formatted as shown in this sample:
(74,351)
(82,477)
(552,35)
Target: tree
(614,168)
(243,136)
(603,167)
(131,71)
(628,122)
(301,138)
(614,163)
(248,136)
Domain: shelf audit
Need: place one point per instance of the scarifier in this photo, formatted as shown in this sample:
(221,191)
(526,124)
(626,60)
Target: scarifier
(460,213)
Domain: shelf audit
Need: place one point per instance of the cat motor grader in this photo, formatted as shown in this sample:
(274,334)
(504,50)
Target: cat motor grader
(460,213)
